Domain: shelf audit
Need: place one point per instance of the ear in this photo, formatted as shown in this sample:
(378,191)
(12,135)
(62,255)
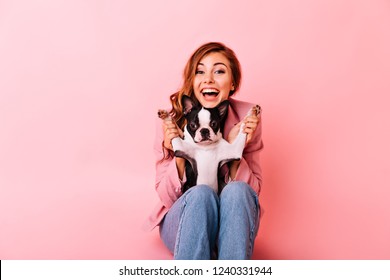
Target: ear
(187,104)
(223,108)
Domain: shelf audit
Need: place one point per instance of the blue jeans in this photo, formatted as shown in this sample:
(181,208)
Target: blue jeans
(200,225)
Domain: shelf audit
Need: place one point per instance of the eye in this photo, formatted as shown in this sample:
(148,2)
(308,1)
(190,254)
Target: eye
(213,124)
(220,71)
(199,72)
(193,125)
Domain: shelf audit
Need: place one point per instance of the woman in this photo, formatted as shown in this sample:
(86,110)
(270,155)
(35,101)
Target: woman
(199,224)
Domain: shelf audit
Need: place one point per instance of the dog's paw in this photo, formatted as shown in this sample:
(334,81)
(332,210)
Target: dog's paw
(163,114)
(256,110)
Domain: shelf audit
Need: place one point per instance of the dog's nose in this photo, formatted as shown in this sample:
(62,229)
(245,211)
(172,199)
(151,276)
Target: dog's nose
(205,133)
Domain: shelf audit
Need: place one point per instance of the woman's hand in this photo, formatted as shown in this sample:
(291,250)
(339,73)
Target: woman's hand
(171,130)
(251,122)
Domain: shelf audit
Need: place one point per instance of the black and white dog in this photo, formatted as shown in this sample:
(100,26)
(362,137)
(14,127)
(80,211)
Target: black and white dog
(203,146)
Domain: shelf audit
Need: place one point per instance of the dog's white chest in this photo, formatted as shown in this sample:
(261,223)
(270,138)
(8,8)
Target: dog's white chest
(207,164)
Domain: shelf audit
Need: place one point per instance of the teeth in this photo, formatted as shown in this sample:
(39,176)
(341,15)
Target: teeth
(210,91)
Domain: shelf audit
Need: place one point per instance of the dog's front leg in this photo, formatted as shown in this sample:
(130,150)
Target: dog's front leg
(183,150)
(237,147)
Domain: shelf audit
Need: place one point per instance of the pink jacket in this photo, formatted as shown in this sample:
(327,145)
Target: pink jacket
(168,185)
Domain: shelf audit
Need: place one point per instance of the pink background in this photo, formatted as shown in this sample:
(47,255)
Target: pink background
(80,83)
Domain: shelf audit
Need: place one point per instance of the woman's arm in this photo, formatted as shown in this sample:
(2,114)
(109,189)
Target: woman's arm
(169,172)
(248,168)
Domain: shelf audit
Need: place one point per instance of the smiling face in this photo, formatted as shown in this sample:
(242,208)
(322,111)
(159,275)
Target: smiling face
(213,80)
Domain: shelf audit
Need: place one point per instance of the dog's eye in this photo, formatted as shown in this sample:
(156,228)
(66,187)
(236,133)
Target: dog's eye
(213,124)
(193,126)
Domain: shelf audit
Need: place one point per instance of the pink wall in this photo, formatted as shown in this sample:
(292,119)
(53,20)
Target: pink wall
(80,83)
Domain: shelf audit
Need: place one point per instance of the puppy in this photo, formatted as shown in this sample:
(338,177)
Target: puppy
(203,146)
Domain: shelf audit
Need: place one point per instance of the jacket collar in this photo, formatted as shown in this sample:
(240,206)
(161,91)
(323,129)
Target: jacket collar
(232,118)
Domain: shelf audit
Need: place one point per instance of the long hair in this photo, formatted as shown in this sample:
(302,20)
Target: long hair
(189,75)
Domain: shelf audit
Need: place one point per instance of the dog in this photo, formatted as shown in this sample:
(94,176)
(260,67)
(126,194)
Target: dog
(203,146)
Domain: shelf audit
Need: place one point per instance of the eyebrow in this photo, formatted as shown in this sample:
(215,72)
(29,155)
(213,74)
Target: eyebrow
(215,64)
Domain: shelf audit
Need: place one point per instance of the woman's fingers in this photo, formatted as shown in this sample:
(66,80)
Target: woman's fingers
(251,123)
(170,131)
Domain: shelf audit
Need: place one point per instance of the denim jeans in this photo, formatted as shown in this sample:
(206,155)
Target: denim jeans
(201,225)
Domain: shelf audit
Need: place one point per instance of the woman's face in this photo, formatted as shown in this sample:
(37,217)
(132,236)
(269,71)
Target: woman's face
(213,80)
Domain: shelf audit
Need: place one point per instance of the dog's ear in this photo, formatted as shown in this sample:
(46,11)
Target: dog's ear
(187,104)
(223,108)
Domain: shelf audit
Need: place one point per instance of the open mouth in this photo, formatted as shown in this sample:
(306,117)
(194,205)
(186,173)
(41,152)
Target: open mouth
(210,92)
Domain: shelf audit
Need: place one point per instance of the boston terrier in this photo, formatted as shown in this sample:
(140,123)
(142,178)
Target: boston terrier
(203,146)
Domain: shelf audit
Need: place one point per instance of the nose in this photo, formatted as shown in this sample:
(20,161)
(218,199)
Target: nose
(208,78)
(205,133)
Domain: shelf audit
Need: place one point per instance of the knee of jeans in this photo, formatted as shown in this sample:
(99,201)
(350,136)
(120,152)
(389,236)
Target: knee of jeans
(237,191)
(201,193)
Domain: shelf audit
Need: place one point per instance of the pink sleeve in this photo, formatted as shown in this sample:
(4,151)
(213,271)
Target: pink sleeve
(168,184)
(249,170)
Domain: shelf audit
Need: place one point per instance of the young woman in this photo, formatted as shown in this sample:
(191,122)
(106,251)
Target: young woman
(199,224)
